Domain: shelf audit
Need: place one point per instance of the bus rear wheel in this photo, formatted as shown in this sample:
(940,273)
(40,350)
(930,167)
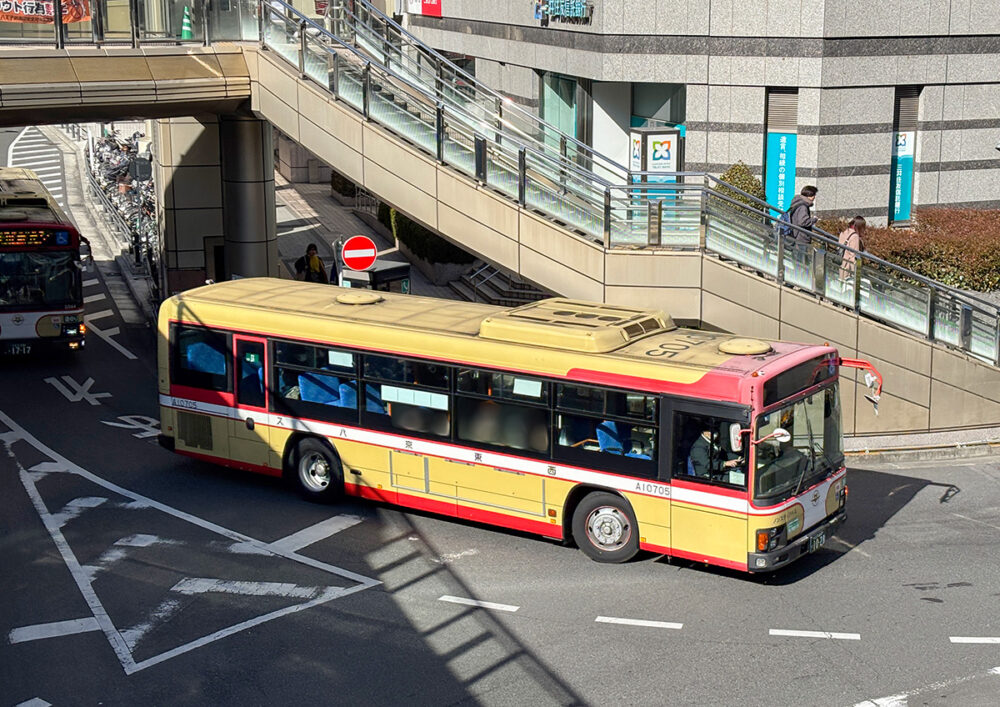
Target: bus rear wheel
(604,528)
(317,472)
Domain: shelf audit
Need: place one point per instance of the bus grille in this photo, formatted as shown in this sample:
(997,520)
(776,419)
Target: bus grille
(194,430)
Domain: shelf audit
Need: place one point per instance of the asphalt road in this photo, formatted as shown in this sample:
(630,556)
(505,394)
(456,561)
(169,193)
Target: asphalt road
(135,576)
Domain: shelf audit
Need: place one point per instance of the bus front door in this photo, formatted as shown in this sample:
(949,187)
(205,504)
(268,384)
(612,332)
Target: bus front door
(249,441)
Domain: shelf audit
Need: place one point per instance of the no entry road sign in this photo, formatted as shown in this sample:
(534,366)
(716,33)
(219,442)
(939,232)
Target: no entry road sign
(358,253)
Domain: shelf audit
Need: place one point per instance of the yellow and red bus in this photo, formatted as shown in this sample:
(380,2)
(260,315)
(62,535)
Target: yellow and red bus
(598,424)
(41,284)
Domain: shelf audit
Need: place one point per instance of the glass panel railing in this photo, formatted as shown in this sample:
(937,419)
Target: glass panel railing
(839,284)
(984,336)
(279,34)
(730,234)
(890,298)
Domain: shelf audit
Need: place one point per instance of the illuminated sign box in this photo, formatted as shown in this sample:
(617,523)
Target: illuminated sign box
(23,237)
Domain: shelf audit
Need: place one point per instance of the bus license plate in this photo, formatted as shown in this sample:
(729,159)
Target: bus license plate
(18,349)
(816,542)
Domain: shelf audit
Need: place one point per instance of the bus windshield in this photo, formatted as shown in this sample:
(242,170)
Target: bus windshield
(41,279)
(814,452)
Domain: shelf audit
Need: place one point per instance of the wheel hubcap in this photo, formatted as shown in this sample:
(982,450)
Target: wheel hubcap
(608,528)
(314,471)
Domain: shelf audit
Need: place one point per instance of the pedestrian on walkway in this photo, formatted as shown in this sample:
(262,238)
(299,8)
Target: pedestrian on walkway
(310,268)
(851,237)
(799,214)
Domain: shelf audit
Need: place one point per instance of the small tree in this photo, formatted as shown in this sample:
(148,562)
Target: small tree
(740,176)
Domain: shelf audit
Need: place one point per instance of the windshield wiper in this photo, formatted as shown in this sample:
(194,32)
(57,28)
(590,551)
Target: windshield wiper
(812,456)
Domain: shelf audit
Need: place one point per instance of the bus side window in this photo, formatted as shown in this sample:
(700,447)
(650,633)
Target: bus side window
(202,358)
(702,451)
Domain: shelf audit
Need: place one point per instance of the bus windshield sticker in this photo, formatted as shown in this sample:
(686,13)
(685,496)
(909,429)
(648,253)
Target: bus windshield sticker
(527,388)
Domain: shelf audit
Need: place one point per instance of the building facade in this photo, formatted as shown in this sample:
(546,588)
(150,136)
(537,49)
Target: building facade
(884,106)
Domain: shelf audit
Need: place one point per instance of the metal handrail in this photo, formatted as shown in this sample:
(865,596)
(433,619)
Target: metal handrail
(530,117)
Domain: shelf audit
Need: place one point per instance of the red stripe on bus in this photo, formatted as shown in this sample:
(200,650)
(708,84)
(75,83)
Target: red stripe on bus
(711,385)
(232,463)
(681,483)
(697,557)
(211,397)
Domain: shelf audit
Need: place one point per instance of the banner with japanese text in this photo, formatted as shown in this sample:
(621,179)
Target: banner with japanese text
(779,178)
(43,12)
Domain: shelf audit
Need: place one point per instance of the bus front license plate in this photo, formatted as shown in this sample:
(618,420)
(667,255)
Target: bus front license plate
(816,542)
(18,349)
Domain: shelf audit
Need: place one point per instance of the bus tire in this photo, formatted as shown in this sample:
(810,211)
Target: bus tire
(316,471)
(605,529)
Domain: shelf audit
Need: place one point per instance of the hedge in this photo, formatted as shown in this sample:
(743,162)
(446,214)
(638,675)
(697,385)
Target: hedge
(426,244)
(342,185)
(957,247)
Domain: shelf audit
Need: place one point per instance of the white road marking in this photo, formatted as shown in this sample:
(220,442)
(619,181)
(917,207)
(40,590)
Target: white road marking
(160,614)
(146,426)
(974,639)
(94,298)
(98,315)
(481,604)
(890,701)
(449,557)
(638,622)
(13,145)
(314,533)
(995,671)
(115,638)
(81,391)
(976,520)
(74,508)
(34,702)
(52,630)
(853,548)
(199,585)
(815,634)
(92,281)
(106,334)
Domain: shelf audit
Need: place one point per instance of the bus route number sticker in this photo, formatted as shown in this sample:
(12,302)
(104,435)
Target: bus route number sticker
(669,349)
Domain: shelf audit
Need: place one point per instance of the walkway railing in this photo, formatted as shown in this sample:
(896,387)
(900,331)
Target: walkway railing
(368,62)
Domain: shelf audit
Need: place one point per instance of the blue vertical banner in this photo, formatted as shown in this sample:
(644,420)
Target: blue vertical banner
(779,179)
(901,181)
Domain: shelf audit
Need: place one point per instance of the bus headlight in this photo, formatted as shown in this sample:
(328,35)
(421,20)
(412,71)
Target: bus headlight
(769,539)
(74,329)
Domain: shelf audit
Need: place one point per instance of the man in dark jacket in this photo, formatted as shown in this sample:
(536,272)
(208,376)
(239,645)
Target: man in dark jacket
(800,213)
(707,457)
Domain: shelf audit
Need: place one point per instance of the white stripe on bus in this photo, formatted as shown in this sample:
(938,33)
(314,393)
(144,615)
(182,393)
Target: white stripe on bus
(643,487)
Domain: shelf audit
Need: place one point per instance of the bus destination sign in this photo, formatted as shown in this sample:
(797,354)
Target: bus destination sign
(32,237)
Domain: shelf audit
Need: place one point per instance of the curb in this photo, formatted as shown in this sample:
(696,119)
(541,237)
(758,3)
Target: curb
(957,450)
(124,264)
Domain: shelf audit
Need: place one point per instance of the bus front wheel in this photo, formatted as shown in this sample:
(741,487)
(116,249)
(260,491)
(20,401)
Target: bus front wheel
(317,471)
(605,528)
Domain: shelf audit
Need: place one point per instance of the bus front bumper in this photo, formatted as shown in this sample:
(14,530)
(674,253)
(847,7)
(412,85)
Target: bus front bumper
(802,545)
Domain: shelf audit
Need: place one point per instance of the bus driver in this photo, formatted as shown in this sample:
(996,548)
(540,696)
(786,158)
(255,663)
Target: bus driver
(706,457)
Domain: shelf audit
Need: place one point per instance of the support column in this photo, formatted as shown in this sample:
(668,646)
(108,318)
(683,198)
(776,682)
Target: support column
(187,175)
(250,230)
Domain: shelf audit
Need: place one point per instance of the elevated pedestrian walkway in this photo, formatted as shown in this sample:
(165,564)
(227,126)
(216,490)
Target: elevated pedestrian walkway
(398,119)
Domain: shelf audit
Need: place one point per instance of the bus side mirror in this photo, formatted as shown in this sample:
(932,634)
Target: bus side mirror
(736,437)
(780,434)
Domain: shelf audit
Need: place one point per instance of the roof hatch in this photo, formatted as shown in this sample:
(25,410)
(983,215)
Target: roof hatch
(574,326)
